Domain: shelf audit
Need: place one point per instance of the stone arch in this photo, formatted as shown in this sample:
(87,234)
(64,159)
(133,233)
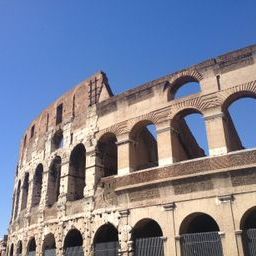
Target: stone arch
(49,245)
(248,219)
(106,233)
(248,227)
(107,150)
(200,234)
(19,248)
(147,237)
(146,228)
(73,243)
(37,185)
(57,140)
(25,189)
(184,144)
(241,96)
(76,179)
(31,247)
(106,239)
(144,149)
(53,189)
(198,222)
(180,79)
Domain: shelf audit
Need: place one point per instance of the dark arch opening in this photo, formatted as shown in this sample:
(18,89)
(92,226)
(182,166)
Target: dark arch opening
(199,234)
(11,250)
(239,125)
(183,87)
(144,153)
(57,140)
(76,181)
(37,185)
(49,246)
(25,188)
(106,240)
(17,200)
(73,243)
(32,247)
(108,154)
(248,227)
(146,228)
(198,223)
(249,219)
(189,137)
(19,248)
(106,233)
(53,189)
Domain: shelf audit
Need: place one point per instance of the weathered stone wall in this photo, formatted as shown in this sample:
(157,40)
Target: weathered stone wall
(180,183)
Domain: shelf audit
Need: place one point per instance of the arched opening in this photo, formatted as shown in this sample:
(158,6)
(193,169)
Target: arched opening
(11,250)
(53,189)
(189,138)
(106,241)
(200,236)
(19,248)
(73,244)
(57,141)
(248,227)
(25,188)
(49,246)
(239,125)
(144,152)
(108,154)
(37,185)
(76,179)
(183,87)
(32,247)
(147,237)
(17,200)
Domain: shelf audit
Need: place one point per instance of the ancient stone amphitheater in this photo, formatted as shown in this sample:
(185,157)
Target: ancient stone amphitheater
(92,179)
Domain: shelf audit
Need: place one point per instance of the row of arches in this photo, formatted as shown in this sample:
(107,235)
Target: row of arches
(199,235)
(189,141)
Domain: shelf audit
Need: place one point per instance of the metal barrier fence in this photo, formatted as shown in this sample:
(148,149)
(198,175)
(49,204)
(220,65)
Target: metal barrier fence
(201,244)
(249,242)
(106,249)
(151,246)
(74,251)
(50,252)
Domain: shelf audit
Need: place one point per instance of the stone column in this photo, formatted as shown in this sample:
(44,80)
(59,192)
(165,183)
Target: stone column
(170,246)
(30,193)
(216,136)
(239,242)
(124,154)
(229,243)
(94,171)
(124,233)
(164,144)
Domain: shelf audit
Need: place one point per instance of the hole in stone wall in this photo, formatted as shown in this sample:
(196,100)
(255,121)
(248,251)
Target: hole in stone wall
(76,180)
(144,145)
(53,189)
(189,138)
(57,141)
(37,185)
(108,154)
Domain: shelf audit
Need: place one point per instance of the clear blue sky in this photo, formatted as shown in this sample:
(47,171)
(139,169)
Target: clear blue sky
(46,47)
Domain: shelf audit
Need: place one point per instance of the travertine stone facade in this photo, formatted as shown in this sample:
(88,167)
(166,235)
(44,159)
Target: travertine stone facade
(89,171)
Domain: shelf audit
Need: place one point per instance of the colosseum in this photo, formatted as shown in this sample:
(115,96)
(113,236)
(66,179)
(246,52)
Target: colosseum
(92,178)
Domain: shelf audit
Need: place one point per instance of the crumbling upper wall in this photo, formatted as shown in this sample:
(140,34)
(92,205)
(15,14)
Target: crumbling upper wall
(75,103)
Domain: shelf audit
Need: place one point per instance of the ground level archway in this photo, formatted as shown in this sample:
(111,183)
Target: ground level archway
(199,235)
(147,237)
(106,241)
